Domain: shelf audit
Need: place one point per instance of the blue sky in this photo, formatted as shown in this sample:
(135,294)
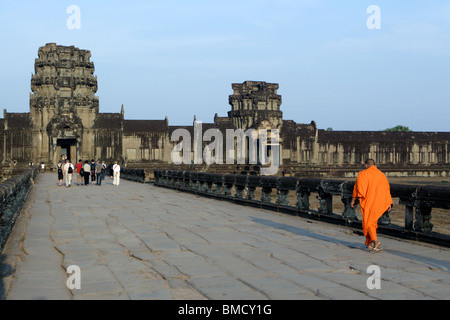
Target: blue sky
(179,58)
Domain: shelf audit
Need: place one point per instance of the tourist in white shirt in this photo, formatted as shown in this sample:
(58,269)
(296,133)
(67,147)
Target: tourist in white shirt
(68,173)
(86,172)
(116,170)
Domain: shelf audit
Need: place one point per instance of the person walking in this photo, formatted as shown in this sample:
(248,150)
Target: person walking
(68,173)
(99,172)
(92,171)
(374,193)
(116,170)
(87,172)
(104,169)
(59,171)
(79,174)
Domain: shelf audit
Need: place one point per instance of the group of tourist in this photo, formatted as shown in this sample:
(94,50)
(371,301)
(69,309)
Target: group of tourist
(93,172)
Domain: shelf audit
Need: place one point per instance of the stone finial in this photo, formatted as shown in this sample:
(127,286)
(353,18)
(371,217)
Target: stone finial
(122,112)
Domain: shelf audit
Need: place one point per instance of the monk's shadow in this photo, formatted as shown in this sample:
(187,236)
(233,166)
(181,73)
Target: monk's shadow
(307,233)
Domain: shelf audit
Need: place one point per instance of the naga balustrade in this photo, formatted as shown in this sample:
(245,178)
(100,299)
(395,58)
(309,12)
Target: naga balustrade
(137,175)
(419,200)
(13,193)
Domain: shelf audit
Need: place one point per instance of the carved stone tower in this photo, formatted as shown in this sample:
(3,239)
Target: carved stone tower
(255,104)
(63,105)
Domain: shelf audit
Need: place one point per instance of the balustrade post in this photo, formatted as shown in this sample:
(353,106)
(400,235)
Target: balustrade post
(173,178)
(186,179)
(409,217)
(423,219)
(385,219)
(267,184)
(429,197)
(193,181)
(265,195)
(407,195)
(303,200)
(326,202)
(165,179)
(304,188)
(228,182)
(170,180)
(349,211)
(282,197)
(218,184)
(240,184)
(180,178)
(156,175)
(253,181)
(209,182)
(346,198)
(284,185)
(202,182)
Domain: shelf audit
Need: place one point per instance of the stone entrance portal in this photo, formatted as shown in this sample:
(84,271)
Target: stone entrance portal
(66,148)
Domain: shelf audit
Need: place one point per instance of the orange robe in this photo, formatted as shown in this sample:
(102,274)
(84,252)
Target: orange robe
(374,193)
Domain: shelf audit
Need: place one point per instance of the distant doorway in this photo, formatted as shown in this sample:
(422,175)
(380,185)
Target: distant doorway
(67,149)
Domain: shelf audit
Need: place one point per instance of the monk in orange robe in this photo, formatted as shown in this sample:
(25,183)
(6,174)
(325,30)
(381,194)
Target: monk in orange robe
(374,193)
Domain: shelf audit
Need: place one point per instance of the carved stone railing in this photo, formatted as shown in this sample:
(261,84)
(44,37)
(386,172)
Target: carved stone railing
(13,193)
(419,200)
(137,175)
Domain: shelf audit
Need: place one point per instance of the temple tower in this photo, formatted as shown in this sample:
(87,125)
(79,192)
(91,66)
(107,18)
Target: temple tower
(255,104)
(63,105)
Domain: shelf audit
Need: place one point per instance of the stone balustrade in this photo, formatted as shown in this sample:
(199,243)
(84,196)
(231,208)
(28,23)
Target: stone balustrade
(136,175)
(274,195)
(13,193)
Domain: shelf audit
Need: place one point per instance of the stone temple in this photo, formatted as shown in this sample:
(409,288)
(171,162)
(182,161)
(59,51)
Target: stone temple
(64,119)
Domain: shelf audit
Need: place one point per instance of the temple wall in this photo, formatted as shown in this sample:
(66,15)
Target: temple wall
(146,147)
(399,152)
(64,114)
(106,145)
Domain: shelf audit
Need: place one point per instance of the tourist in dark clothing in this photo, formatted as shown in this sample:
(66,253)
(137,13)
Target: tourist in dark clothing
(59,170)
(93,171)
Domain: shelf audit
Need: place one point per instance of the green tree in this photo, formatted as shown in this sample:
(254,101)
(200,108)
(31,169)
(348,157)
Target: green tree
(398,128)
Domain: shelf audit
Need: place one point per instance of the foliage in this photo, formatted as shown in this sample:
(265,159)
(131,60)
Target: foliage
(398,128)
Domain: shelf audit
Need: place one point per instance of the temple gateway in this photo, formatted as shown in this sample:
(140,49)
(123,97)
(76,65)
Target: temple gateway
(64,121)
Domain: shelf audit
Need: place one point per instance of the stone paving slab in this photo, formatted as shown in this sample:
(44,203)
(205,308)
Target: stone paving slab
(137,241)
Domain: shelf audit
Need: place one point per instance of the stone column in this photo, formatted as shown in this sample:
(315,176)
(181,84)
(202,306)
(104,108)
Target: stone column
(78,153)
(54,145)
